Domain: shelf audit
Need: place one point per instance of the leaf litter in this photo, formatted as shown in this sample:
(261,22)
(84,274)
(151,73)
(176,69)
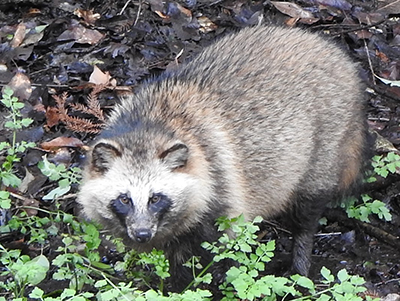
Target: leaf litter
(69,63)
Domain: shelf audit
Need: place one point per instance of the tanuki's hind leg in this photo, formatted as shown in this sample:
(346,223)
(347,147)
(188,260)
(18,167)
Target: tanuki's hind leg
(304,218)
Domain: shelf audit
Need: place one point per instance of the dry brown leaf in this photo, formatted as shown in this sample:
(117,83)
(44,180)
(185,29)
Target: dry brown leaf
(383,57)
(33,12)
(87,15)
(292,9)
(184,12)
(33,203)
(39,107)
(21,85)
(61,142)
(98,77)
(81,34)
(113,83)
(369,18)
(161,14)
(78,124)
(23,187)
(206,25)
(291,22)
(19,35)
(388,7)
(363,34)
(81,125)
(52,116)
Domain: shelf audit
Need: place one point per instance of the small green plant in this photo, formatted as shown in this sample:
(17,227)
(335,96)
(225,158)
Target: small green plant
(246,280)
(5,201)
(78,262)
(23,270)
(36,228)
(157,259)
(383,165)
(67,294)
(12,149)
(241,281)
(362,211)
(65,177)
(71,264)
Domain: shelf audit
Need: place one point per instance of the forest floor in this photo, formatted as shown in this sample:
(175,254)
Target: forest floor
(48,48)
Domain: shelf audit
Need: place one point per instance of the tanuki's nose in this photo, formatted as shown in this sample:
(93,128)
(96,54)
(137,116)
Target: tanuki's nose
(142,235)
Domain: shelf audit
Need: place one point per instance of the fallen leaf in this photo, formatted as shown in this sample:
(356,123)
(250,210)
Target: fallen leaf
(19,35)
(161,14)
(81,34)
(292,9)
(39,107)
(206,25)
(87,15)
(21,85)
(61,155)
(391,83)
(383,57)
(369,18)
(34,35)
(52,116)
(388,7)
(309,21)
(340,4)
(23,187)
(33,12)
(61,142)
(363,34)
(383,145)
(32,203)
(98,77)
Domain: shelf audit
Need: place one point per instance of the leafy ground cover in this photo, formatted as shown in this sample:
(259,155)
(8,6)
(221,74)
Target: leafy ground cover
(67,62)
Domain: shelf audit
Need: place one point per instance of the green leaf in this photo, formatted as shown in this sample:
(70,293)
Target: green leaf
(324,297)
(10,179)
(4,195)
(40,28)
(327,274)
(32,272)
(7,92)
(4,145)
(306,283)
(18,105)
(67,292)
(257,219)
(64,183)
(55,193)
(11,125)
(26,122)
(343,275)
(5,203)
(49,169)
(36,293)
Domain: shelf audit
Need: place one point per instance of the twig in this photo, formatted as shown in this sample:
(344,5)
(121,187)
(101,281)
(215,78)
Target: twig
(138,13)
(125,6)
(370,63)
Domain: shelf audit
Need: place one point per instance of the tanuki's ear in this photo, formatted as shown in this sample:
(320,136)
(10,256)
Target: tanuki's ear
(175,156)
(103,154)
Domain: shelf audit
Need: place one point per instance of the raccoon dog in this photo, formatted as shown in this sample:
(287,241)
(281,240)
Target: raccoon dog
(263,122)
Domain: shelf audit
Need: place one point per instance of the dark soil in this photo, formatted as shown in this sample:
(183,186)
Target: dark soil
(133,40)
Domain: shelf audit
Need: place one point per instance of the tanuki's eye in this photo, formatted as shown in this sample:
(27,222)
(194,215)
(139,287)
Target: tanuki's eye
(124,199)
(155,198)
